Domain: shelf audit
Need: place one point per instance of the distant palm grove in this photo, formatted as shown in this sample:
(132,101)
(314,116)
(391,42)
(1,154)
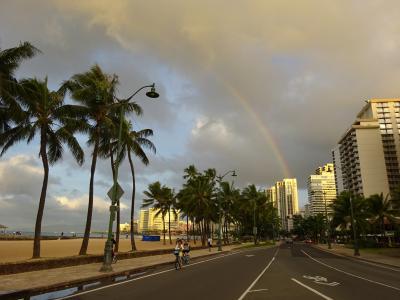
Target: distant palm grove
(375,218)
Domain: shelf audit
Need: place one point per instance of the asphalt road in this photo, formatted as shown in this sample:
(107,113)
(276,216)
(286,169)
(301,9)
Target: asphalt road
(287,272)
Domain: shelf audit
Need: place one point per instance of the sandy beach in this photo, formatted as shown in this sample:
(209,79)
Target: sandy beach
(22,250)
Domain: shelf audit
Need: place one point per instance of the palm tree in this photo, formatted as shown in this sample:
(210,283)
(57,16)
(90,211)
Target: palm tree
(10,60)
(190,172)
(44,114)
(95,90)
(379,208)
(157,197)
(134,142)
(197,197)
(342,211)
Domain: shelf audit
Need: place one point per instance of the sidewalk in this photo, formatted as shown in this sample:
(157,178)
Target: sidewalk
(45,279)
(370,255)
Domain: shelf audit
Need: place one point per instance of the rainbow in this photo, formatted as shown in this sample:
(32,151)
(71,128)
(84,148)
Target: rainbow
(268,136)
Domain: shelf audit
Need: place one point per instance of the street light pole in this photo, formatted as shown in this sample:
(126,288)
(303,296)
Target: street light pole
(106,267)
(356,250)
(254,223)
(219,180)
(327,223)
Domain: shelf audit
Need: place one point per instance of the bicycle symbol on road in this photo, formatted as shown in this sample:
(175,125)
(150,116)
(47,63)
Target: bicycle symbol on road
(321,280)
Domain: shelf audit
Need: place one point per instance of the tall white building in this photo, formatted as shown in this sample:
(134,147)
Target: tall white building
(284,195)
(368,156)
(321,189)
(148,221)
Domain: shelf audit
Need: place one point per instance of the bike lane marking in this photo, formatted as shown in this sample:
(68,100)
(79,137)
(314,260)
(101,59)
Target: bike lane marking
(258,277)
(311,289)
(350,274)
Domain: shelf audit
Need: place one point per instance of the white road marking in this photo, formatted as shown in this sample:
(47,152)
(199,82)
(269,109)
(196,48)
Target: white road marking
(258,277)
(360,260)
(153,274)
(351,274)
(321,280)
(249,255)
(259,290)
(312,290)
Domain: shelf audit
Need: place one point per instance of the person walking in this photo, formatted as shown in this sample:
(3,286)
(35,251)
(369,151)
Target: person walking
(209,242)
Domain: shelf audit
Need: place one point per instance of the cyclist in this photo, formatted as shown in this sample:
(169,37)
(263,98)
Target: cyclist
(186,250)
(178,251)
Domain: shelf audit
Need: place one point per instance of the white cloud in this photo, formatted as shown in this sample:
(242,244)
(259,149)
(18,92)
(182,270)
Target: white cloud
(80,203)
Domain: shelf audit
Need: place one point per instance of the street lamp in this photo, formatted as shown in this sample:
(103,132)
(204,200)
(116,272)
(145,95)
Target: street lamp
(327,223)
(219,180)
(356,250)
(116,191)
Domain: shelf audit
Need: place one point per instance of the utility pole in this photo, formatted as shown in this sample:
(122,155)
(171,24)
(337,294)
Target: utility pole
(327,223)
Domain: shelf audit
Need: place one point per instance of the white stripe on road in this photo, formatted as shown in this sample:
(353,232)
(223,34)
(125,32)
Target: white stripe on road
(258,277)
(359,260)
(312,290)
(152,274)
(259,290)
(351,274)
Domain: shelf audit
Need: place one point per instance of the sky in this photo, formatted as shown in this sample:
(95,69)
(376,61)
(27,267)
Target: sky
(263,87)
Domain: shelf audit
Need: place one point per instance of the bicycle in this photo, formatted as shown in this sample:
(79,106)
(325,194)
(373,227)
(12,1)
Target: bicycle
(178,261)
(186,259)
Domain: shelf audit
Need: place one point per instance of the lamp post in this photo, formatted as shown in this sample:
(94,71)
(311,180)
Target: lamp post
(106,267)
(219,180)
(327,223)
(353,225)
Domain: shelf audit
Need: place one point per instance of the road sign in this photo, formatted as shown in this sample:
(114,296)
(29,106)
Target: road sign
(119,193)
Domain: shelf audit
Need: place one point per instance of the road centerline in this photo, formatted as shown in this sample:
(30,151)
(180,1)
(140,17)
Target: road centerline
(350,274)
(311,289)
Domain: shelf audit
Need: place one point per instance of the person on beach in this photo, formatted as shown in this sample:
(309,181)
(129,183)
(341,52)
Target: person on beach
(209,242)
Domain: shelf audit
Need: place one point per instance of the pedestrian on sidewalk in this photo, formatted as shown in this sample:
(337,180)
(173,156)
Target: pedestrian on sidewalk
(209,241)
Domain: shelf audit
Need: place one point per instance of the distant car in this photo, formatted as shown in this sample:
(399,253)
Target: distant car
(289,241)
(308,241)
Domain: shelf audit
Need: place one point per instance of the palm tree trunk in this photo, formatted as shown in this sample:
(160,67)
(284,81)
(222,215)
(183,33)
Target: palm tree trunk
(187,228)
(193,232)
(117,230)
(163,221)
(85,241)
(133,245)
(169,225)
(39,216)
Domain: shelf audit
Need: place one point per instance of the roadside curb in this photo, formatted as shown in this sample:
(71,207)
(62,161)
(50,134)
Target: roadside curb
(357,258)
(103,278)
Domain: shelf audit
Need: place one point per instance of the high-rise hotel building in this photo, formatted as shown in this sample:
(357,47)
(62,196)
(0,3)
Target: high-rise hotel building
(284,196)
(321,190)
(367,157)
